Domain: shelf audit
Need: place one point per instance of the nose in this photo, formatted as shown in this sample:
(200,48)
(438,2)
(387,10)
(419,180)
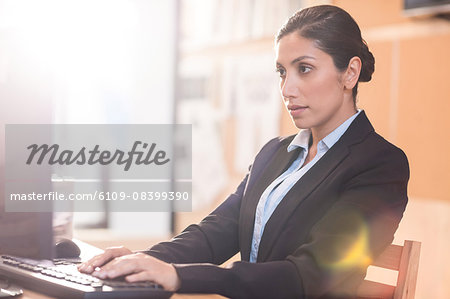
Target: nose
(289,88)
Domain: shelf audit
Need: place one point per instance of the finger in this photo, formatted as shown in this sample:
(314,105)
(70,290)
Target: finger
(164,275)
(101,259)
(88,266)
(119,267)
(140,276)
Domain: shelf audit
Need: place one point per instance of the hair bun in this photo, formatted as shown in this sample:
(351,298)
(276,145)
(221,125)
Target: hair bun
(368,64)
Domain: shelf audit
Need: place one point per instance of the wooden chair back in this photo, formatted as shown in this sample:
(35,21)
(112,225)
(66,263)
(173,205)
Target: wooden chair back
(405,260)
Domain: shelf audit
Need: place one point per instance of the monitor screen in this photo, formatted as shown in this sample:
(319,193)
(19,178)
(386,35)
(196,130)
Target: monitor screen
(426,7)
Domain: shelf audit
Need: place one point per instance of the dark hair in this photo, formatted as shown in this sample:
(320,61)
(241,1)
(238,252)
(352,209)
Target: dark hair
(336,33)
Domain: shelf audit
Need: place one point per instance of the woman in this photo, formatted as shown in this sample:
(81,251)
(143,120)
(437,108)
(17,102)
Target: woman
(315,208)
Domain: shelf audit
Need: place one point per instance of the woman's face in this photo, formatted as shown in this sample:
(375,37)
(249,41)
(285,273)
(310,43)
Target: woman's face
(311,85)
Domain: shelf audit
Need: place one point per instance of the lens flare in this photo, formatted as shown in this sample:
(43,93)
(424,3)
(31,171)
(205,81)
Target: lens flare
(345,252)
(357,254)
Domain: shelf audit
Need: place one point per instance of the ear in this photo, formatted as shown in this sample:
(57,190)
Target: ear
(351,75)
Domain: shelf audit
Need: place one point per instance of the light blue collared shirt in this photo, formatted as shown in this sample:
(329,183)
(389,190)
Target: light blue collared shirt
(276,191)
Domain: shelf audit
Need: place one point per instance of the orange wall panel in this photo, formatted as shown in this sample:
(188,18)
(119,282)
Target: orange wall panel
(368,13)
(424,114)
(374,96)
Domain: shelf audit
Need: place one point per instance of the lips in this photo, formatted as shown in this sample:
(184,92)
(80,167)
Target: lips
(296,110)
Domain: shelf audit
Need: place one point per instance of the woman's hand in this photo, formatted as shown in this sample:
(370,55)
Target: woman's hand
(120,261)
(141,267)
(101,259)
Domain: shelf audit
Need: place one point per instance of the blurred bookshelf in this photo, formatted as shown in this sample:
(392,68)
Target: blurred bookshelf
(231,48)
(219,22)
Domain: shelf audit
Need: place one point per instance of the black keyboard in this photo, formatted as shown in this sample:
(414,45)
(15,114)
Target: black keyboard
(62,279)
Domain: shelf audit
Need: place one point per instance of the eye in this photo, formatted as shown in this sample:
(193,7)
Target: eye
(281,71)
(304,69)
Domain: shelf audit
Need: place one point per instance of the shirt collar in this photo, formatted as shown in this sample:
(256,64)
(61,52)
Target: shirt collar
(300,140)
(302,137)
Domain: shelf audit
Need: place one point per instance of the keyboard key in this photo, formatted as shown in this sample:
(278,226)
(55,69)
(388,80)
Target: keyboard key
(96,284)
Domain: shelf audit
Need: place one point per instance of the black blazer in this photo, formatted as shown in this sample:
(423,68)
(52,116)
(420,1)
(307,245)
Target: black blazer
(321,237)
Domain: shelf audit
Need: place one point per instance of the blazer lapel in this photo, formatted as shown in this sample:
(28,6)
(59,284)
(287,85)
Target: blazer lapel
(296,195)
(311,180)
(280,162)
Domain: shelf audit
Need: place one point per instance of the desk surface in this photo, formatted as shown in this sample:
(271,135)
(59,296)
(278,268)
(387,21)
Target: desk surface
(27,294)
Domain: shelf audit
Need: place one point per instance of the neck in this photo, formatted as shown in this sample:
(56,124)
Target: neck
(318,133)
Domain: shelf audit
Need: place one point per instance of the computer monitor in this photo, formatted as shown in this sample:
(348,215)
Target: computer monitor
(23,232)
(426,7)
(26,234)
(25,98)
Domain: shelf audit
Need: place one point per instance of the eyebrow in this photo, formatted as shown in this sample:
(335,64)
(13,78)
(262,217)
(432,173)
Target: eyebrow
(300,58)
